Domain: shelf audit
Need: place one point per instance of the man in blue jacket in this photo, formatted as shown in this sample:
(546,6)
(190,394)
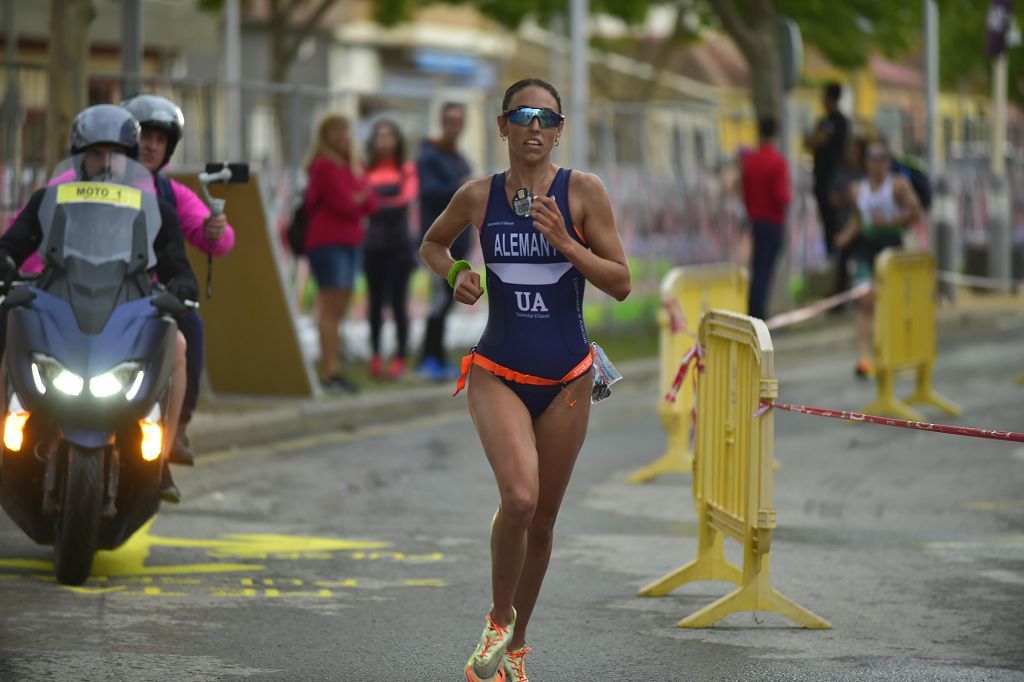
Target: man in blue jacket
(442,170)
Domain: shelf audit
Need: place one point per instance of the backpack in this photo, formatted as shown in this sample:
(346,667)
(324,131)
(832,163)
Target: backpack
(913,170)
(296,231)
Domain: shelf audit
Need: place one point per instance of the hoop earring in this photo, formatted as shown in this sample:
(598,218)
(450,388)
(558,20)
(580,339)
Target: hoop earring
(557,139)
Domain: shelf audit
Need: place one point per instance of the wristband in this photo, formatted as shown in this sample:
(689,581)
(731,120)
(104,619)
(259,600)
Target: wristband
(457,267)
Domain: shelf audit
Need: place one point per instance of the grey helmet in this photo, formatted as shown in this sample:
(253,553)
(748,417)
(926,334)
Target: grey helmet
(105,124)
(154,111)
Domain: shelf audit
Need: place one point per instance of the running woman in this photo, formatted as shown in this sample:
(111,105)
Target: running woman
(885,204)
(544,231)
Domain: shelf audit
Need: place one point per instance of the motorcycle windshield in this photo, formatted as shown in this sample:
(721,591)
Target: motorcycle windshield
(101,208)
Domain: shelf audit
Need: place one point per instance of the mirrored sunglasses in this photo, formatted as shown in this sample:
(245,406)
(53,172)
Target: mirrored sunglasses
(523,116)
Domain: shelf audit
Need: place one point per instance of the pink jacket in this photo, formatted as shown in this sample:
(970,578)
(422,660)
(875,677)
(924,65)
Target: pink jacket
(192,213)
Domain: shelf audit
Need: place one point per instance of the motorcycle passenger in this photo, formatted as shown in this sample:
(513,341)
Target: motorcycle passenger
(162,123)
(104,135)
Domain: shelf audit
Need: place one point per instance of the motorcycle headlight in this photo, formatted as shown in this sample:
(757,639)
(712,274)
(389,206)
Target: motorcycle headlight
(126,378)
(125,375)
(55,374)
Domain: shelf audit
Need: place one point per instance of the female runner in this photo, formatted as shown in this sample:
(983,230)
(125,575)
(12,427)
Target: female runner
(544,232)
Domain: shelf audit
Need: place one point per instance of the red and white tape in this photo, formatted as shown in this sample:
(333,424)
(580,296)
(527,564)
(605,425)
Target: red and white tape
(818,307)
(978,282)
(967,431)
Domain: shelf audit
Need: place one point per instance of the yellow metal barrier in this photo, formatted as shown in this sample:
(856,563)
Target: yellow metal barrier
(690,291)
(905,333)
(733,473)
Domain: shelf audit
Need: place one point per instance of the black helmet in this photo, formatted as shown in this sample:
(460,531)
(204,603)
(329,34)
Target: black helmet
(154,111)
(105,124)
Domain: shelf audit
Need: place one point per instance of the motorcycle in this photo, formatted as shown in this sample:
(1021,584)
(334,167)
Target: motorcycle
(87,372)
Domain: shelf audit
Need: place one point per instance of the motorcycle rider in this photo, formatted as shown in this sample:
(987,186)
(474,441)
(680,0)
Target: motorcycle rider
(162,124)
(104,135)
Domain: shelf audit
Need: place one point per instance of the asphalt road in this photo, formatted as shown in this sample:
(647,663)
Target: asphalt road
(363,555)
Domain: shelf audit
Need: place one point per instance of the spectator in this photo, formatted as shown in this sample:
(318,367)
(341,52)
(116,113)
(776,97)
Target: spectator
(442,170)
(829,144)
(388,259)
(850,172)
(337,201)
(766,194)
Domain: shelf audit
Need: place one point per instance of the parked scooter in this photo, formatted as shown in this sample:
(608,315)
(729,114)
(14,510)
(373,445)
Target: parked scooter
(90,350)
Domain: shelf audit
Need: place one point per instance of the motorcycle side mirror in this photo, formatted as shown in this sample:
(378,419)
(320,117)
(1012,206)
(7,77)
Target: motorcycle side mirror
(168,303)
(18,297)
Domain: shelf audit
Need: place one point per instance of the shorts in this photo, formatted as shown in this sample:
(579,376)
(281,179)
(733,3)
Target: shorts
(335,267)
(862,260)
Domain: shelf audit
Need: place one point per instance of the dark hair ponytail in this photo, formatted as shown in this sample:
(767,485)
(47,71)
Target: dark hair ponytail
(525,83)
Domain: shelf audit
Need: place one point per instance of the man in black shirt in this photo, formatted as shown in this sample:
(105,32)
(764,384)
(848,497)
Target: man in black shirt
(828,140)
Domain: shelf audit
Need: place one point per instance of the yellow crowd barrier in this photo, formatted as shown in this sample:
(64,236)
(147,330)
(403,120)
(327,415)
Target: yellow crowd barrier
(904,335)
(690,291)
(732,481)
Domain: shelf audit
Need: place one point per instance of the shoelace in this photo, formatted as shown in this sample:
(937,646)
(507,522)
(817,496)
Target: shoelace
(498,632)
(516,659)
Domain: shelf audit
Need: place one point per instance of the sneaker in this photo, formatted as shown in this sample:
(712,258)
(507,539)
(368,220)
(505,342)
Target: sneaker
(485,665)
(431,369)
(181,449)
(514,664)
(168,491)
(376,366)
(339,384)
(863,370)
(396,368)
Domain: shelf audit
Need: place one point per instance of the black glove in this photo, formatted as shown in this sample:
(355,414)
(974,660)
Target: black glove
(183,289)
(8,269)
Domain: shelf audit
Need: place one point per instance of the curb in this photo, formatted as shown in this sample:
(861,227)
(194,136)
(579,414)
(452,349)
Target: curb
(214,432)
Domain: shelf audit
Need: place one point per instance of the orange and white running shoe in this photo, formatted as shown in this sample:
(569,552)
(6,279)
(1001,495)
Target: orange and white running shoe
(485,665)
(864,370)
(514,671)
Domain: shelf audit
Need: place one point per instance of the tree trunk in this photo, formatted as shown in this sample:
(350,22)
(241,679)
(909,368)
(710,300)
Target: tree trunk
(765,67)
(755,30)
(68,77)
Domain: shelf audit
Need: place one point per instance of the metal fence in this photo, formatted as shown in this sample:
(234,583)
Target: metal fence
(675,194)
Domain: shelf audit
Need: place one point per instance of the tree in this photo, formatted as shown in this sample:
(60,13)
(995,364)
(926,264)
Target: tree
(68,58)
(963,61)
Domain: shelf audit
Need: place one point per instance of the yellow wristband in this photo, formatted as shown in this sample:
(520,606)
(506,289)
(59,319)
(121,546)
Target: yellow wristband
(457,267)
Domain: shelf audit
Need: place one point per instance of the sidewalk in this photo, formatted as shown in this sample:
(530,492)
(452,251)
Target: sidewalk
(236,423)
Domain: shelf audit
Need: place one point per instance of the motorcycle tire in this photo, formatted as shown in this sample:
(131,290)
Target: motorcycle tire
(78,523)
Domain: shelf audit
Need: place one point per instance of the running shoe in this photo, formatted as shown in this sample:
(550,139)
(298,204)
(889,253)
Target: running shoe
(514,664)
(485,665)
(376,366)
(339,384)
(864,370)
(396,369)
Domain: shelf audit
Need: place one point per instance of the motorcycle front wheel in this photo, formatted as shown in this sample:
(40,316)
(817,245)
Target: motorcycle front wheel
(78,522)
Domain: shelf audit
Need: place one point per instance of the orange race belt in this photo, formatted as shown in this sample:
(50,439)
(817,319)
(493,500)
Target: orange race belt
(503,372)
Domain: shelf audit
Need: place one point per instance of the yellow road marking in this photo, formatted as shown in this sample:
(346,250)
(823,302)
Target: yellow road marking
(94,590)
(995,505)
(424,582)
(331,438)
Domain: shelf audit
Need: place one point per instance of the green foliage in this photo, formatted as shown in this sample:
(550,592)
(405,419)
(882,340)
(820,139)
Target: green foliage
(963,60)
(846,31)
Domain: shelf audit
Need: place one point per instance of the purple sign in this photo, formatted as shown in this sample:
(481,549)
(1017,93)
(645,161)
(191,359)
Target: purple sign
(997,24)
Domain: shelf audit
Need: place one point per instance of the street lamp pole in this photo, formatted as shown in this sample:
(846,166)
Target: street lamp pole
(577,124)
